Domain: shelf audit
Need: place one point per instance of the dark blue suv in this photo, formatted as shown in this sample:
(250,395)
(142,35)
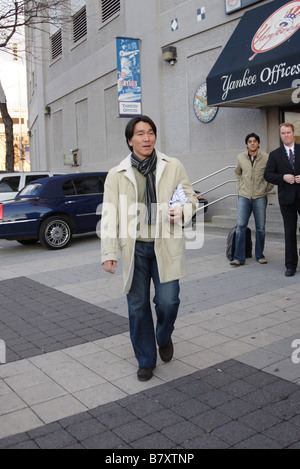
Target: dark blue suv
(51,210)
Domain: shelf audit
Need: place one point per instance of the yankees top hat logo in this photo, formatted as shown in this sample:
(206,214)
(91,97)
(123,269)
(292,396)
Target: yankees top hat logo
(279,27)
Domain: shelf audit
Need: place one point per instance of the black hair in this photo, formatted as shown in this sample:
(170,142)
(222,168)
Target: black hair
(132,123)
(252,135)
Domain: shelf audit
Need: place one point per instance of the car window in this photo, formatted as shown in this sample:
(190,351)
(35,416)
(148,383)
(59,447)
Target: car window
(89,185)
(30,191)
(12,181)
(4,187)
(68,188)
(33,177)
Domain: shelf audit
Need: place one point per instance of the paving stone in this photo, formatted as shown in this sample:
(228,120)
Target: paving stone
(58,439)
(155,441)
(258,442)
(284,433)
(181,432)
(233,432)
(49,320)
(210,419)
(105,440)
(259,420)
(205,441)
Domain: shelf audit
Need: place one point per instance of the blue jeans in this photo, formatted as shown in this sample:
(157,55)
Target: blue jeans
(166,300)
(245,208)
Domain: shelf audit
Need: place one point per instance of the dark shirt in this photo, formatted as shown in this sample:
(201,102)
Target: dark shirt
(250,158)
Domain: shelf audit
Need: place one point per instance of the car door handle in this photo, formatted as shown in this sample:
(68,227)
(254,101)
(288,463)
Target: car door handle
(70,202)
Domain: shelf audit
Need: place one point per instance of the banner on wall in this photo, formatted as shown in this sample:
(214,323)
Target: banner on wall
(129,77)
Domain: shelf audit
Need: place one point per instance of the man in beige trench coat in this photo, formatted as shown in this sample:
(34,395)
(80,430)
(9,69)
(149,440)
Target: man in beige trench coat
(137,217)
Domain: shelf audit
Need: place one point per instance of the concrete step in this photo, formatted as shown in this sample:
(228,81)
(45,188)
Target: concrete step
(221,224)
(273,212)
(215,228)
(272,224)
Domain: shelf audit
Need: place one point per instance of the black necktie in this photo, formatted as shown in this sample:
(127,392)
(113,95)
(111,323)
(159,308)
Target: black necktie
(292,157)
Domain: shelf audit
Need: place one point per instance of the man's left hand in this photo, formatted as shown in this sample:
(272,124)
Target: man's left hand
(175,214)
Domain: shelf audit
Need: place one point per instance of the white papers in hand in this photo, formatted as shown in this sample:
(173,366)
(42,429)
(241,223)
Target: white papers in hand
(178,197)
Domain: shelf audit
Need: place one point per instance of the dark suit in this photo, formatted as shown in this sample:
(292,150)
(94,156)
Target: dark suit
(289,198)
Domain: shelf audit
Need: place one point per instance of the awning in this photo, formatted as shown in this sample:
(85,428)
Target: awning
(260,64)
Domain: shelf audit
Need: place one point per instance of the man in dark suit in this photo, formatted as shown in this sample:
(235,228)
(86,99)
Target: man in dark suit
(283,169)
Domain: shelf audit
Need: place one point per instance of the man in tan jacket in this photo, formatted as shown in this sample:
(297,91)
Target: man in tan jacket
(252,197)
(137,218)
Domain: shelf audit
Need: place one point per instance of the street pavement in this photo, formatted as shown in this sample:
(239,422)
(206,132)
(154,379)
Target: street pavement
(69,380)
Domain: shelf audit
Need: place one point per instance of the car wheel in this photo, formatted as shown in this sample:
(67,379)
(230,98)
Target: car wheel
(55,233)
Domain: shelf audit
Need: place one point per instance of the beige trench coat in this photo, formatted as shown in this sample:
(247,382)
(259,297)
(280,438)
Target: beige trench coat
(250,179)
(119,218)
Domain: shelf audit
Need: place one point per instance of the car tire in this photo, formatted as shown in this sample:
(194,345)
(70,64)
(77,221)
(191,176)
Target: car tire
(55,232)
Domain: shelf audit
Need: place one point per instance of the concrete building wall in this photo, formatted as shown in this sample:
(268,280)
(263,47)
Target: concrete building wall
(80,87)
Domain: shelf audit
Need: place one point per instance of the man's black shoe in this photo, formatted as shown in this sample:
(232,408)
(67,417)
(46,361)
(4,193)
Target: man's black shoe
(144,374)
(290,272)
(166,352)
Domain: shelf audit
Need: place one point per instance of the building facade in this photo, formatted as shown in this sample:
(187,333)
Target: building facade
(21,141)
(74,119)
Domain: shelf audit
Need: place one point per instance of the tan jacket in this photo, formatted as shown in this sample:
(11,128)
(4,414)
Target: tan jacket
(119,218)
(250,179)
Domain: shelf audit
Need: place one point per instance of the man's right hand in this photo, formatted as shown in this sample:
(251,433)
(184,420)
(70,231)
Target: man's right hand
(110,266)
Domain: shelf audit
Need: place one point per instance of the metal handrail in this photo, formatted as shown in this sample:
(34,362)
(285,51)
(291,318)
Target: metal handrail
(219,185)
(216,187)
(215,201)
(213,174)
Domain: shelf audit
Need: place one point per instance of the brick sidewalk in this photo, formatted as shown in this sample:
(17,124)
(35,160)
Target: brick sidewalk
(70,377)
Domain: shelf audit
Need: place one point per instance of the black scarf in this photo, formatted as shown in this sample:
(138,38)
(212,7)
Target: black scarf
(147,167)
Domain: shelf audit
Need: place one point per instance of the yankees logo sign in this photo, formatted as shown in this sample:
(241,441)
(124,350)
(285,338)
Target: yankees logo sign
(261,57)
(278,28)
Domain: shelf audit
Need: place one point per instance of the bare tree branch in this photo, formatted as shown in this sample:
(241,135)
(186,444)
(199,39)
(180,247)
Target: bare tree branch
(31,13)
(14,15)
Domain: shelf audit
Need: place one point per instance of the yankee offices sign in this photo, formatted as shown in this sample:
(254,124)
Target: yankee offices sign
(267,60)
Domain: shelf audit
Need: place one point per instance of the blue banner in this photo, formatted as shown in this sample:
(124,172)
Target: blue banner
(129,77)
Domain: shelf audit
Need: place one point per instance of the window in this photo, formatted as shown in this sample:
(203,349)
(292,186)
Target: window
(109,8)
(33,177)
(30,190)
(79,25)
(89,185)
(12,181)
(83,186)
(56,45)
(4,187)
(68,188)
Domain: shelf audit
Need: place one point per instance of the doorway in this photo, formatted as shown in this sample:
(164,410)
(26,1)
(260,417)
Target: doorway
(293,117)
